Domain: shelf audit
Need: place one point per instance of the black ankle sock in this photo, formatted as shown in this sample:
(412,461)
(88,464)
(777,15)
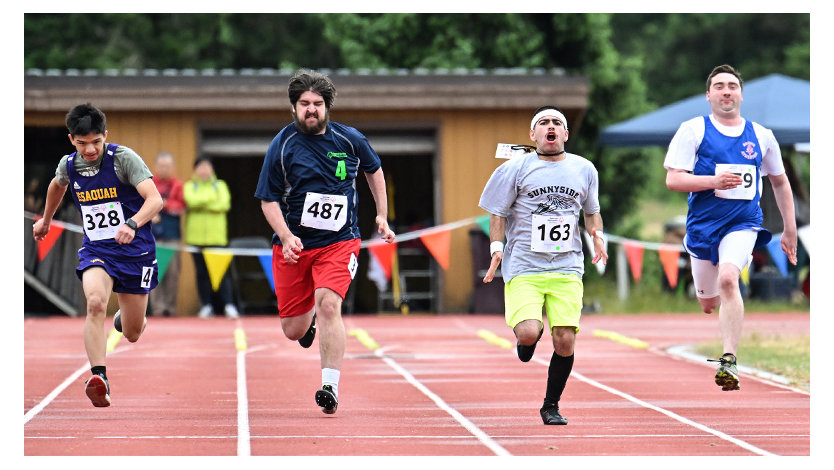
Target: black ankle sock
(557,377)
(99,370)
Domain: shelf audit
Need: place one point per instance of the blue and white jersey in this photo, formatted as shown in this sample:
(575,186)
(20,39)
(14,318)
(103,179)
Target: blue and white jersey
(105,204)
(715,213)
(313,179)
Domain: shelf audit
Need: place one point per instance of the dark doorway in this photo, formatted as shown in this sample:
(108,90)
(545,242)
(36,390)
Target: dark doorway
(238,156)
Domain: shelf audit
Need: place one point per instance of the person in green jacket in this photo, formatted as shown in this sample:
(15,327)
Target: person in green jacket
(207,200)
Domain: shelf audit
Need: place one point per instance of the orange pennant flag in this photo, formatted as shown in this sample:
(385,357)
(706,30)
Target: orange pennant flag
(438,245)
(634,254)
(45,245)
(384,253)
(669,259)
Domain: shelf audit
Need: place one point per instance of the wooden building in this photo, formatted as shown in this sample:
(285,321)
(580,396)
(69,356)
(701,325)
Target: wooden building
(435,130)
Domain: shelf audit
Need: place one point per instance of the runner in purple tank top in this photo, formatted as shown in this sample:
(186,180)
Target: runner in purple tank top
(113,190)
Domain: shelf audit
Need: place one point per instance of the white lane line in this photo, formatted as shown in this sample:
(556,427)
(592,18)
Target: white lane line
(525,437)
(470,426)
(111,349)
(675,416)
(54,393)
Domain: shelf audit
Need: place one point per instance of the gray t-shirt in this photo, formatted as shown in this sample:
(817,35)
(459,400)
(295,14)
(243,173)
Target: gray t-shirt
(129,167)
(541,201)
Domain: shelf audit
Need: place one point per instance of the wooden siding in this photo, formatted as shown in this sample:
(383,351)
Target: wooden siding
(465,160)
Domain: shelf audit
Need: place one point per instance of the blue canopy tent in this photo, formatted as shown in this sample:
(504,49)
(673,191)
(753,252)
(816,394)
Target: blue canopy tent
(778,102)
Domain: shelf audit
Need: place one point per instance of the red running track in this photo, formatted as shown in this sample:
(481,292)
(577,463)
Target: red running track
(433,387)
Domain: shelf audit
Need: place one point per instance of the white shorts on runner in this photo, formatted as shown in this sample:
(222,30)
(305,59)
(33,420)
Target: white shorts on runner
(736,248)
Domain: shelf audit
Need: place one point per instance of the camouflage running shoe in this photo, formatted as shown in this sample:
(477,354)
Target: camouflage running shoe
(726,376)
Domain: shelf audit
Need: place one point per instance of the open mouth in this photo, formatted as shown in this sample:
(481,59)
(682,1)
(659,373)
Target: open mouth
(551,137)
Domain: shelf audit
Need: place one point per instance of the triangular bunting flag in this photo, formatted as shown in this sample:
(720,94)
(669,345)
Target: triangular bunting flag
(483,222)
(669,259)
(217,262)
(438,245)
(384,253)
(163,259)
(634,254)
(266,263)
(45,245)
(780,259)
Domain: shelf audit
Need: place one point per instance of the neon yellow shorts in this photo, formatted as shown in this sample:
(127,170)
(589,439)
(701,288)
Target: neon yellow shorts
(560,294)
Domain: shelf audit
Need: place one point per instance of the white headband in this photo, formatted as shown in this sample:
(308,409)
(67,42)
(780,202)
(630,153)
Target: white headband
(548,112)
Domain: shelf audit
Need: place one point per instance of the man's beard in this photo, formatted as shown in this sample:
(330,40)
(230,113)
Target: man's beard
(314,129)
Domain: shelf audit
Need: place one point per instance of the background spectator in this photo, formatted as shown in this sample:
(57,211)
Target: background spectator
(207,201)
(166,228)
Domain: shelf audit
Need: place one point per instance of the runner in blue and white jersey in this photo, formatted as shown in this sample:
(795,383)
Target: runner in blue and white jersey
(720,160)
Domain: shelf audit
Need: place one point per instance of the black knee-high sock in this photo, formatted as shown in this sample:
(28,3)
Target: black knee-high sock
(557,377)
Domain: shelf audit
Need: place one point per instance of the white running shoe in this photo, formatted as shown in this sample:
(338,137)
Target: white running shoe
(206,312)
(231,311)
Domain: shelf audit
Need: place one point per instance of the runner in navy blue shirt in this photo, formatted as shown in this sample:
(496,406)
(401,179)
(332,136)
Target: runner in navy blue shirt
(307,189)
(720,160)
(113,190)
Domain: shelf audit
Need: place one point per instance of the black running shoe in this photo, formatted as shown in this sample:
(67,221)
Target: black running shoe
(525,353)
(307,340)
(726,376)
(326,399)
(550,415)
(117,322)
(98,391)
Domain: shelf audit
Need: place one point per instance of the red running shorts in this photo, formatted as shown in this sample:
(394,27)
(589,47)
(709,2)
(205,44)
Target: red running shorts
(332,266)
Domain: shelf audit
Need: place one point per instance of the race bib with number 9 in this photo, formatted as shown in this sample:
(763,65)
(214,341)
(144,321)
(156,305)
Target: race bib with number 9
(746,190)
(102,221)
(552,233)
(324,211)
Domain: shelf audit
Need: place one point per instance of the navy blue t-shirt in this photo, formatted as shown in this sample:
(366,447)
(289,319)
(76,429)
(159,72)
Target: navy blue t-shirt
(313,179)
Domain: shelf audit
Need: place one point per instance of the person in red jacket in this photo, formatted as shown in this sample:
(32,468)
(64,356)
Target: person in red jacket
(166,229)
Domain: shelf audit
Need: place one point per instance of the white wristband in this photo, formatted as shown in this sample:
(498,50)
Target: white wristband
(495,246)
(599,234)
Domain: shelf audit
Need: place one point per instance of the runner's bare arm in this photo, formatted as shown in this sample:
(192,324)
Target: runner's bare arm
(291,244)
(54,195)
(497,229)
(376,182)
(682,180)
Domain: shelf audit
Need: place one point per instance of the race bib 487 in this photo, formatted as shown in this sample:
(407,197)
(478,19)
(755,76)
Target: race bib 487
(324,211)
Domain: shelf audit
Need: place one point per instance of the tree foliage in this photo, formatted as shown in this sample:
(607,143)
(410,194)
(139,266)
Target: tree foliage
(635,62)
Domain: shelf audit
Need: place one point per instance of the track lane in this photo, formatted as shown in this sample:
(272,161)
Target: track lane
(382,414)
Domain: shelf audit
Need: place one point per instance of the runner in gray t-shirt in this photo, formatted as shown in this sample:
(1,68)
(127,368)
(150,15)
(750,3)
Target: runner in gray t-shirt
(535,200)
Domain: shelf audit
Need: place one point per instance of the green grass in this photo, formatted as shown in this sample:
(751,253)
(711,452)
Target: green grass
(648,296)
(788,356)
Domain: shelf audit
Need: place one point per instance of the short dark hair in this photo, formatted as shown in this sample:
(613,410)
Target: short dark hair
(203,158)
(547,107)
(724,69)
(310,80)
(86,119)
